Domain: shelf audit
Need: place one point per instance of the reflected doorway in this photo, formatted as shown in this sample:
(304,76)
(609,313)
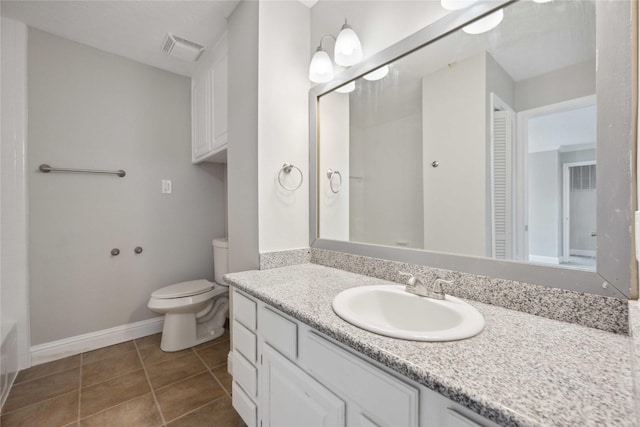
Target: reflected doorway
(579,214)
(558,209)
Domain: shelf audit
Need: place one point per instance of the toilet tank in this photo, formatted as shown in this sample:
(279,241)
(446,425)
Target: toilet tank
(220,248)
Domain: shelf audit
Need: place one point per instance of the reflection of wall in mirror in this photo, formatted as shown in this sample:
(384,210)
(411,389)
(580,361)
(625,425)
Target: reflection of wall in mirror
(545,225)
(455,133)
(385,153)
(334,155)
(545,207)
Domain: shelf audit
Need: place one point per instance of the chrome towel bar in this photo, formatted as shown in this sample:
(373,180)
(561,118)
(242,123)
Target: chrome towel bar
(46,169)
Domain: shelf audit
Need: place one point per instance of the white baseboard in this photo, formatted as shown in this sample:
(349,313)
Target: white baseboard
(8,360)
(55,350)
(583,252)
(230,363)
(544,259)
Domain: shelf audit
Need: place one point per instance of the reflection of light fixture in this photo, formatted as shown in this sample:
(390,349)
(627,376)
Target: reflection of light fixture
(485,24)
(377,74)
(456,4)
(349,87)
(347,52)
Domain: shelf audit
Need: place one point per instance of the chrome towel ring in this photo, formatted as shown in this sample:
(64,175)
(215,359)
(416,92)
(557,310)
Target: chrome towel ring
(335,188)
(286,169)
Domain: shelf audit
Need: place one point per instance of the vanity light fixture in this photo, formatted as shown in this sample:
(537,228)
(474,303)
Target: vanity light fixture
(542,1)
(321,67)
(347,52)
(485,24)
(377,74)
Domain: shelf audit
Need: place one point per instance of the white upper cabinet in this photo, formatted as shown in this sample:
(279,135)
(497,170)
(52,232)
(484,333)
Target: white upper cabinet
(209,106)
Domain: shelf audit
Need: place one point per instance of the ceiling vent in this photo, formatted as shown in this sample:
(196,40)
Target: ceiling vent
(181,48)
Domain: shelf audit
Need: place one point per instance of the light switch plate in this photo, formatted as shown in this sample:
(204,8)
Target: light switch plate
(166,186)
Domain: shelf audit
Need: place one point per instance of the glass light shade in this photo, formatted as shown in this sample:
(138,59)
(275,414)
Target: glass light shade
(321,68)
(542,1)
(456,4)
(485,24)
(349,87)
(377,74)
(348,50)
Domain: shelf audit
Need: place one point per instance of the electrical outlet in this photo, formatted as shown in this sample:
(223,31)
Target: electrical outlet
(166,186)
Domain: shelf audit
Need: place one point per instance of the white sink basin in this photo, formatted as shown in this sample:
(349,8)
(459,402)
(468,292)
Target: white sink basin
(391,311)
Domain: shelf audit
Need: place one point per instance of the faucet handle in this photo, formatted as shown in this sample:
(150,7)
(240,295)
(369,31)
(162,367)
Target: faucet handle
(411,279)
(437,285)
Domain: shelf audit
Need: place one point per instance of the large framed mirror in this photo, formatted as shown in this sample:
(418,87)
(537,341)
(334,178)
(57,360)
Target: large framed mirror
(507,153)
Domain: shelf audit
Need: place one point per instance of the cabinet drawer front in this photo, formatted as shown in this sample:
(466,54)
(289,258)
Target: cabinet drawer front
(243,405)
(362,384)
(281,333)
(245,342)
(245,374)
(244,310)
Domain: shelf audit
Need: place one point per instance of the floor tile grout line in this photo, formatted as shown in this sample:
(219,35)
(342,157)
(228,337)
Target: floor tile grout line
(172,359)
(35,403)
(111,407)
(212,374)
(45,376)
(184,378)
(153,392)
(197,409)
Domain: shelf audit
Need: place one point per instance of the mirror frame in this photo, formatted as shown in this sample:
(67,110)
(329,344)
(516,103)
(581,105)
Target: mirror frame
(616,268)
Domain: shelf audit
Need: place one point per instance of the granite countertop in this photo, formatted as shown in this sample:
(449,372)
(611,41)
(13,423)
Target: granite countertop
(520,370)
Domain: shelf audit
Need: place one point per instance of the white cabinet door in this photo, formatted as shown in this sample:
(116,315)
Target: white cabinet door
(293,398)
(220,95)
(201,106)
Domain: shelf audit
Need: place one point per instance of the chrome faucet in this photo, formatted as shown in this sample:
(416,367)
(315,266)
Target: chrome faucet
(417,287)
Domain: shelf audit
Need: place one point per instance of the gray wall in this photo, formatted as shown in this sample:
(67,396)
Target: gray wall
(242,155)
(571,82)
(90,109)
(544,204)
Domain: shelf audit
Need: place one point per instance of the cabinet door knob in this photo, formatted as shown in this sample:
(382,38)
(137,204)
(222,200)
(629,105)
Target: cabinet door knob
(115,252)
(138,250)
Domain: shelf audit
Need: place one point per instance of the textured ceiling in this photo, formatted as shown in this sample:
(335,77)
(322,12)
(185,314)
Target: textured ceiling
(133,29)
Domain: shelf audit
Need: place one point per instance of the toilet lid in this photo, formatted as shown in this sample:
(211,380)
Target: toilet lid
(184,289)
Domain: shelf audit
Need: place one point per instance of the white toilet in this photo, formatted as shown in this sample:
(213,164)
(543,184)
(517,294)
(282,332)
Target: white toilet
(195,311)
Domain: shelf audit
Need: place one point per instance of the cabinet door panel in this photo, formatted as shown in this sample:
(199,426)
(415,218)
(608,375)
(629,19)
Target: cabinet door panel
(200,114)
(219,80)
(293,398)
(374,397)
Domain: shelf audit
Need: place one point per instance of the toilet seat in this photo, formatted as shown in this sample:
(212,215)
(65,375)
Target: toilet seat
(184,289)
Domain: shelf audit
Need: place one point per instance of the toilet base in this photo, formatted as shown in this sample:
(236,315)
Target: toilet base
(180,331)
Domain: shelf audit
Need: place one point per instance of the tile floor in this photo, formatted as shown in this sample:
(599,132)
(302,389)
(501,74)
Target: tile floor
(130,384)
